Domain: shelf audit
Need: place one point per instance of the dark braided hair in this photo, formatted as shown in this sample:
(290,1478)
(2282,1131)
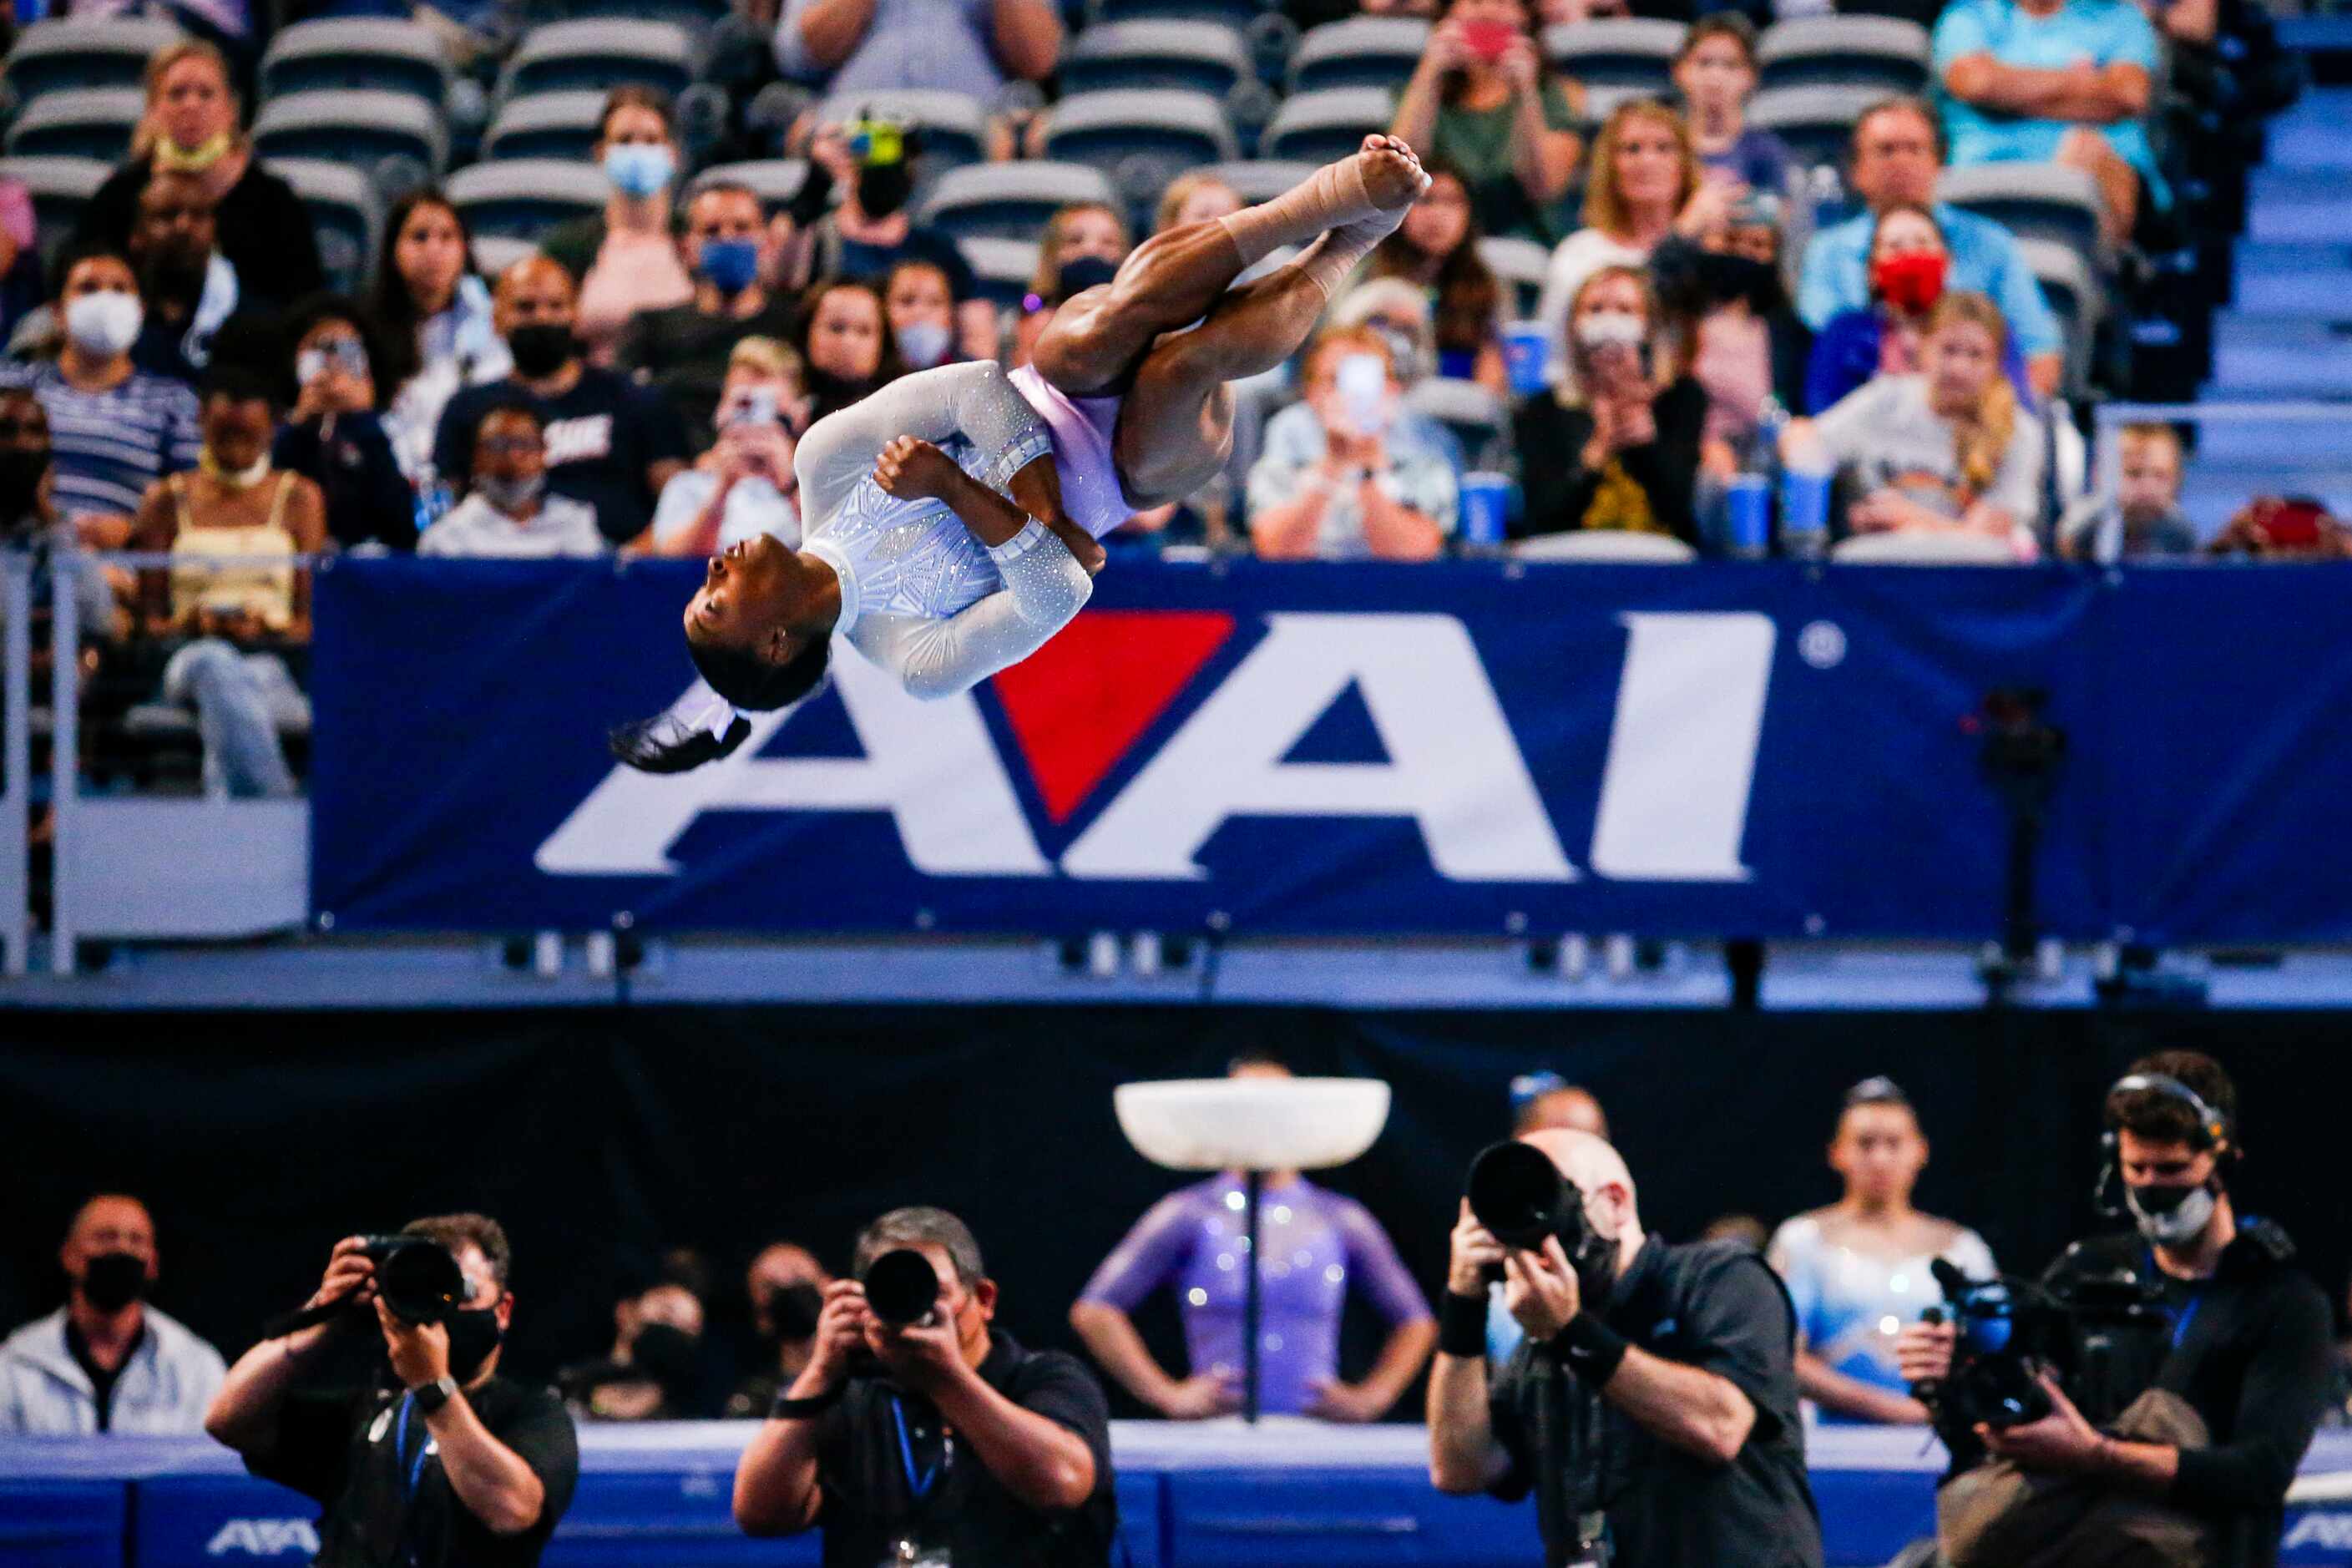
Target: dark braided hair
(663,744)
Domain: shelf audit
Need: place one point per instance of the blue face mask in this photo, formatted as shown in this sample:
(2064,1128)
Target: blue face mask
(731,265)
(640,168)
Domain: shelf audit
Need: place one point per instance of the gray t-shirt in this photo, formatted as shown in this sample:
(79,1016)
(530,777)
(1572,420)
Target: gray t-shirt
(1884,433)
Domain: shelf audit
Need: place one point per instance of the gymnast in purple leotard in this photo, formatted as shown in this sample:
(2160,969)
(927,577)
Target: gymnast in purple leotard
(1317,1244)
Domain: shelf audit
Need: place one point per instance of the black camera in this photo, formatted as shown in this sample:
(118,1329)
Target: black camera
(901,1287)
(416,1277)
(1519,1195)
(2008,1332)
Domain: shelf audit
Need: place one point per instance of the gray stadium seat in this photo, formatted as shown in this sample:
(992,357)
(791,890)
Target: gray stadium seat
(560,125)
(2075,297)
(1885,54)
(599,54)
(1520,265)
(341,54)
(1616,51)
(1011,201)
(2033,201)
(358,128)
(695,16)
(954,124)
(1258,180)
(1233,13)
(1002,269)
(345,214)
(522,198)
(1612,546)
(1601,102)
(1362,51)
(1196,56)
(1319,127)
(61,56)
(1141,139)
(1479,420)
(1817,122)
(776,180)
(61,189)
(495,253)
(78,122)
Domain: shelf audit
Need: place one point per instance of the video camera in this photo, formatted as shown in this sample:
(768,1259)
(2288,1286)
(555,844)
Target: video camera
(2010,1330)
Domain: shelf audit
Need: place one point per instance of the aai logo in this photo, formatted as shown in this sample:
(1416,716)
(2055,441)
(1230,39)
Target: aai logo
(2324,1531)
(264,1538)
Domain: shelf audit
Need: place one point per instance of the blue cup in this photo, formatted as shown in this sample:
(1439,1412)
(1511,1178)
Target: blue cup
(1526,351)
(1748,515)
(1804,511)
(1486,508)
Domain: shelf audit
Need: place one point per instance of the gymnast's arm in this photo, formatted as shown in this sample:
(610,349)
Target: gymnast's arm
(1044,586)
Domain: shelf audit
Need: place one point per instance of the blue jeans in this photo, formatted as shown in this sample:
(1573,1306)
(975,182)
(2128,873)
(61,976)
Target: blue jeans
(240,700)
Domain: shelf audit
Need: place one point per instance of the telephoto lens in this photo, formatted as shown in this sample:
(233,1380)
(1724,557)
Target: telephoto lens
(1519,1195)
(416,1277)
(901,1287)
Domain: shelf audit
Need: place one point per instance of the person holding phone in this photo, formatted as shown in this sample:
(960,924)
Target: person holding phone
(1484,102)
(743,485)
(1351,493)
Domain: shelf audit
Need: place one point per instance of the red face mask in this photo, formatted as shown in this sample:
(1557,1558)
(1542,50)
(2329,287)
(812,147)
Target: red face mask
(1913,282)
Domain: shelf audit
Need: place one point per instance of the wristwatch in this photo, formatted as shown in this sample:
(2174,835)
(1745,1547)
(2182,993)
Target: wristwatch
(433,1395)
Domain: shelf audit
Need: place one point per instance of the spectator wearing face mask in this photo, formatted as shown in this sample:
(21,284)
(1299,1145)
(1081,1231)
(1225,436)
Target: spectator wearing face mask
(1730,315)
(2146,508)
(922,313)
(508,509)
(1398,315)
(652,1374)
(1909,267)
(335,436)
(845,342)
(1436,251)
(623,260)
(1080,229)
(872,230)
(1341,489)
(1616,443)
(786,1285)
(682,350)
(609,443)
(107,1360)
(743,487)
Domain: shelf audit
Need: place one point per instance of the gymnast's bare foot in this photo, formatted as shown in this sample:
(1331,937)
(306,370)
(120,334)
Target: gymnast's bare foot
(1393,177)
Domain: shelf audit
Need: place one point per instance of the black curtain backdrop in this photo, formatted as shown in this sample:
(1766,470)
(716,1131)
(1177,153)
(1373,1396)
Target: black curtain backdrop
(602,1138)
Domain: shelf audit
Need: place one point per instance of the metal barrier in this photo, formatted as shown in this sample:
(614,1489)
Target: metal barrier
(15,759)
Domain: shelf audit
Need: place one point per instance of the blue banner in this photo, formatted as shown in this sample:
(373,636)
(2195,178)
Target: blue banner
(1454,748)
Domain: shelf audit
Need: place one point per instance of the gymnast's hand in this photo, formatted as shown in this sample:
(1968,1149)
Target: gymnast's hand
(916,470)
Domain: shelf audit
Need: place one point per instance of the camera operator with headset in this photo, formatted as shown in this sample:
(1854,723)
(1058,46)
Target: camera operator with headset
(2183,1415)
(1652,1407)
(447,1463)
(919,1434)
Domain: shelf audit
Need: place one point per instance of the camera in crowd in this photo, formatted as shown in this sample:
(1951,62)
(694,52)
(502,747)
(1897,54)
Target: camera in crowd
(416,1278)
(1521,1196)
(2008,1332)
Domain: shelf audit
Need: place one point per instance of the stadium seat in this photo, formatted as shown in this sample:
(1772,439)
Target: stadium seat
(497,252)
(1601,102)
(1232,12)
(343,54)
(1817,122)
(346,216)
(78,122)
(2033,201)
(598,55)
(1318,127)
(1011,201)
(2075,297)
(1196,56)
(1520,265)
(775,180)
(1479,420)
(954,125)
(358,128)
(1258,180)
(1938,549)
(1615,546)
(695,16)
(1002,269)
(1362,51)
(1622,51)
(522,198)
(1141,139)
(60,188)
(61,56)
(559,125)
(1884,54)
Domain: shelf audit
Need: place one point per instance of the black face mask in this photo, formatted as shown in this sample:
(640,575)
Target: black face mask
(792,1311)
(666,1354)
(20,483)
(112,1281)
(883,188)
(473,1336)
(830,392)
(541,348)
(1725,277)
(174,274)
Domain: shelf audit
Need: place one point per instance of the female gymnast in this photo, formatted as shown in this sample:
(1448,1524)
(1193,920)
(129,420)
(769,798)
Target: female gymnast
(953,513)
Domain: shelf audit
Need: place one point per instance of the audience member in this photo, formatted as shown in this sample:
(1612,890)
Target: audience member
(873,229)
(1940,451)
(1909,263)
(107,1360)
(22,290)
(1858,1271)
(234,530)
(335,436)
(1320,1244)
(440,327)
(2066,81)
(25,509)
(1341,489)
(743,485)
(786,1285)
(1194,197)
(608,441)
(509,510)
(1898,154)
(2146,508)
(1646,183)
(682,350)
(1733,324)
(1484,102)
(191,126)
(846,346)
(624,261)
(653,1372)
(189,288)
(1077,231)
(1437,249)
(969,46)
(2284,528)
(921,307)
(114,428)
(1616,443)
(1542,1099)
(1715,72)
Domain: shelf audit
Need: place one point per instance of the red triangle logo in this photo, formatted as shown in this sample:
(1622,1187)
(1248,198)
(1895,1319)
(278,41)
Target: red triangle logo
(1078,703)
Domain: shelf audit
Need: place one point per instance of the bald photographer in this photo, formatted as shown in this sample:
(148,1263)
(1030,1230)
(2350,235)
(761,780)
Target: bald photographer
(434,1459)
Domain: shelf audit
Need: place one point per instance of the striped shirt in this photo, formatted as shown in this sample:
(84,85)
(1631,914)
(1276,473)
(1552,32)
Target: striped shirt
(106,448)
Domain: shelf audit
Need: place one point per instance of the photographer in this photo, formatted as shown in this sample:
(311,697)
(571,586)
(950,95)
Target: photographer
(445,1463)
(944,1440)
(1652,1407)
(2182,1439)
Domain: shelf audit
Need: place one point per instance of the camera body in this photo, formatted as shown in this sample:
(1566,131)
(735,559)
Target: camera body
(2010,1330)
(1519,1195)
(416,1278)
(880,142)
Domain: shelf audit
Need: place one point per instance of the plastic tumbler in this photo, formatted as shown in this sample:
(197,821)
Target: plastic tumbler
(1748,516)
(1804,512)
(1526,353)
(1485,509)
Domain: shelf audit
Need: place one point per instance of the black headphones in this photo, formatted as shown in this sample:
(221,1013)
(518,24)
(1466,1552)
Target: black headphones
(2212,1131)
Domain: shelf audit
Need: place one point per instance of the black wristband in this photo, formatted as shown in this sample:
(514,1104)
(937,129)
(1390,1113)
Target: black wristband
(1461,1325)
(1590,1348)
(787,1408)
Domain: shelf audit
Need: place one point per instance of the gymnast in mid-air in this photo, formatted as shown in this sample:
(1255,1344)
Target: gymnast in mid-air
(953,514)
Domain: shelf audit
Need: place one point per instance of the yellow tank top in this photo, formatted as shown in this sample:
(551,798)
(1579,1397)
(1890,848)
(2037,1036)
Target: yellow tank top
(263,589)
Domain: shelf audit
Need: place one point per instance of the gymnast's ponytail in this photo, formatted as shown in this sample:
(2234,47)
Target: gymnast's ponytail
(747,683)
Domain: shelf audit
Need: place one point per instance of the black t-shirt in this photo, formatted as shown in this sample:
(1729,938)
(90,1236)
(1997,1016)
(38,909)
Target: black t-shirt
(871,1501)
(101,1379)
(1712,1305)
(370,1460)
(602,436)
(681,352)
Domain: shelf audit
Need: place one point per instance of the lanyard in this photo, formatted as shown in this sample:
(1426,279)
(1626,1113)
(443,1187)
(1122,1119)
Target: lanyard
(920,1486)
(411,1471)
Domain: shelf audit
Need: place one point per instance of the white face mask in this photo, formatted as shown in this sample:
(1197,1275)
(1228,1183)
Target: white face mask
(1603,327)
(923,344)
(2167,1220)
(104,324)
